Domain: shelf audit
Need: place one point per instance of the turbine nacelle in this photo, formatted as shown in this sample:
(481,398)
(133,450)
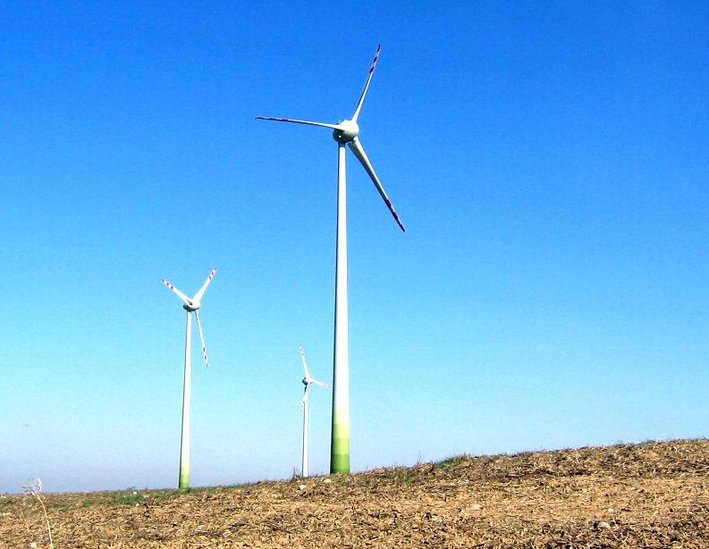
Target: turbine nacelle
(191,307)
(346,131)
(308,381)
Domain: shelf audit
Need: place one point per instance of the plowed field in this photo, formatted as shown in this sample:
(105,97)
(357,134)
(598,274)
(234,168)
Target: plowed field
(654,494)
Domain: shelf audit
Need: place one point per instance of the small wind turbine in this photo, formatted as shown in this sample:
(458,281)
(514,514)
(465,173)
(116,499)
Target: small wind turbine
(345,133)
(307,381)
(191,306)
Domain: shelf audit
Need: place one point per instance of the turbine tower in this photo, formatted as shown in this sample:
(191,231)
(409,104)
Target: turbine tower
(191,305)
(344,133)
(308,380)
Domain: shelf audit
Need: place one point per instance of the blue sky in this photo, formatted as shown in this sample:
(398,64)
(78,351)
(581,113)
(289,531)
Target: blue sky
(550,162)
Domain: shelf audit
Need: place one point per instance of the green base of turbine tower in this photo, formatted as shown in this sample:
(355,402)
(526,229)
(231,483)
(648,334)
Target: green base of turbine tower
(184,483)
(340,451)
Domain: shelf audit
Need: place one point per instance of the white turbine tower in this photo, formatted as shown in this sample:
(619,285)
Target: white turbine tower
(308,380)
(345,133)
(191,305)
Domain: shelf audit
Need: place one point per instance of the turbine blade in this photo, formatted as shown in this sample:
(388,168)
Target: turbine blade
(358,150)
(201,339)
(306,122)
(318,382)
(177,292)
(305,364)
(198,296)
(355,116)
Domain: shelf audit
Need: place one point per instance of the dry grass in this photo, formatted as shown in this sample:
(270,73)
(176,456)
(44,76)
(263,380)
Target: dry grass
(654,494)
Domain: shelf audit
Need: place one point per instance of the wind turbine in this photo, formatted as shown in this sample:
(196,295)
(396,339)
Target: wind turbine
(345,132)
(308,380)
(191,305)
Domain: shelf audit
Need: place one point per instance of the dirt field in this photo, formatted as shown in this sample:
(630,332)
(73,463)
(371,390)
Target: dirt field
(650,495)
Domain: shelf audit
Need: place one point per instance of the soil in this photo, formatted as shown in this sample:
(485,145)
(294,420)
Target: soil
(654,494)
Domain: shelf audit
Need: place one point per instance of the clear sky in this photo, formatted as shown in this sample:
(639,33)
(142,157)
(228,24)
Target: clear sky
(551,164)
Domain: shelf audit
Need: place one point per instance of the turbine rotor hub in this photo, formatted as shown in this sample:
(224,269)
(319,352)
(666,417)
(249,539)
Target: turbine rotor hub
(192,307)
(347,130)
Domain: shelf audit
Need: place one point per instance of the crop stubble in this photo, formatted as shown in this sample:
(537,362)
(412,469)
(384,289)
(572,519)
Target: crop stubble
(653,494)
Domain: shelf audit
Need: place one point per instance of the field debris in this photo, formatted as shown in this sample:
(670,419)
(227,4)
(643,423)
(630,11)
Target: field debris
(654,494)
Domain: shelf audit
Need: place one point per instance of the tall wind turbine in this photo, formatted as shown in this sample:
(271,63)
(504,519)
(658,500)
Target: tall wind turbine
(191,305)
(308,380)
(344,133)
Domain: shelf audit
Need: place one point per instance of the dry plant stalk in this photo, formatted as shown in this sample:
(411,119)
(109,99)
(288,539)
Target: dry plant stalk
(35,490)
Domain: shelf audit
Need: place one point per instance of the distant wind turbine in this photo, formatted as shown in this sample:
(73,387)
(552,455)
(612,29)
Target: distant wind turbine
(191,305)
(345,133)
(308,380)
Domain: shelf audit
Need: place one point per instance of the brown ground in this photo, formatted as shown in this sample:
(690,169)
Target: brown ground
(649,495)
